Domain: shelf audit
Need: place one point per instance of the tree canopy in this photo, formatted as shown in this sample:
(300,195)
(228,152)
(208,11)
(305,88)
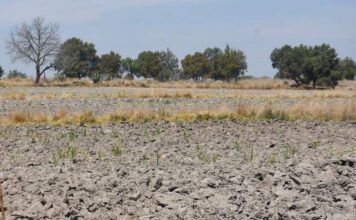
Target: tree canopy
(76,58)
(216,64)
(346,69)
(110,64)
(306,64)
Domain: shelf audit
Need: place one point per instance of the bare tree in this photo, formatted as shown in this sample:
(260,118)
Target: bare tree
(35,43)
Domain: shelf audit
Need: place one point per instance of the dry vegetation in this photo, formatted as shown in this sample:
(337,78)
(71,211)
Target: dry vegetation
(242,84)
(317,111)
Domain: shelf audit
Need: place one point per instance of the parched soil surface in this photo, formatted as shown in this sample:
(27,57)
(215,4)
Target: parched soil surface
(197,170)
(103,100)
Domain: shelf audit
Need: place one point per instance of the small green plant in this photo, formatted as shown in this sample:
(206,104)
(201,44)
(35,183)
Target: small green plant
(186,135)
(95,77)
(101,155)
(204,156)
(314,144)
(34,137)
(290,151)
(116,149)
(272,159)
(71,136)
(239,146)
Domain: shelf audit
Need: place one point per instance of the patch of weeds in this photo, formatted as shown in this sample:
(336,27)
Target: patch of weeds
(117,149)
(84,132)
(71,136)
(101,155)
(314,144)
(272,159)
(158,131)
(239,146)
(290,152)
(166,101)
(70,152)
(205,157)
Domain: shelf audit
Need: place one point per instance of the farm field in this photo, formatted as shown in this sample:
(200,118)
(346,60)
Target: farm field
(174,153)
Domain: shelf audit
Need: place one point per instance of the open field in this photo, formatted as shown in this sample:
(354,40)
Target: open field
(173,153)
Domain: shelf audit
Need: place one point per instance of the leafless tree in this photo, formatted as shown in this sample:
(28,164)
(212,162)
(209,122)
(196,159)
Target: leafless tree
(36,43)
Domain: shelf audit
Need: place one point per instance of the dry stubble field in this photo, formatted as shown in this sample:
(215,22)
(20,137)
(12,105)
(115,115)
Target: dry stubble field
(174,153)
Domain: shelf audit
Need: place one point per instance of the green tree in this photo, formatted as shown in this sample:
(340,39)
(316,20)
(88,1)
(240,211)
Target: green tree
(214,56)
(110,65)
(149,64)
(307,65)
(76,58)
(16,74)
(1,71)
(346,68)
(129,67)
(232,64)
(196,66)
(171,66)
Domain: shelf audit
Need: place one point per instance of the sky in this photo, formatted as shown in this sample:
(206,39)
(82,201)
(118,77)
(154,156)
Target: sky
(186,26)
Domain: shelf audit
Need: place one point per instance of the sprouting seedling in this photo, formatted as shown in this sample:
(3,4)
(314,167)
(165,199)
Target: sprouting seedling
(71,136)
(186,135)
(290,152)
(84,132)
(101,155)
(272,159)
(314,144)
(239,146)
(116,149)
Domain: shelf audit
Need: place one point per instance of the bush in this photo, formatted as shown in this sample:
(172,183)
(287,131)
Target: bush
(1,71)
(16,74)
(95,77)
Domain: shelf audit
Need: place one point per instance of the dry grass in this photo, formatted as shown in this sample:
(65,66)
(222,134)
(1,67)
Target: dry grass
(318,111)
(242,84)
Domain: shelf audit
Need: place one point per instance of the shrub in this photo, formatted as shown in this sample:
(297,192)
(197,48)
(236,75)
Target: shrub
(95,77)
(16,74)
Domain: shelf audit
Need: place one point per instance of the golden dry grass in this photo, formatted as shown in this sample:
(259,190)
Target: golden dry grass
(317,111)
(241,84)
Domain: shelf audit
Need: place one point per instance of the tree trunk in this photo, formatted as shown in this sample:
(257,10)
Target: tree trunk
(314,83)
(38,75)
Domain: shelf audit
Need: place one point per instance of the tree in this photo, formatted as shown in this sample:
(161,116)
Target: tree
(171,66)
(76,58)
(16,74)
(307,65)
(128,67)
(196,66)
(1,71)
(214,56)
(149,64)
(110,65)
(346,68)
(232,63)
(35,43)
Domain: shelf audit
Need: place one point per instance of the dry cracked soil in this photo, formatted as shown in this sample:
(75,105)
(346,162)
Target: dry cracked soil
(175,170)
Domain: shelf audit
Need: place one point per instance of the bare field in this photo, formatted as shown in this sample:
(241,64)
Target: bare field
(173,153)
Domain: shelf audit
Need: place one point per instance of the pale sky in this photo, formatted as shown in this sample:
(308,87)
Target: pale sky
(186,26)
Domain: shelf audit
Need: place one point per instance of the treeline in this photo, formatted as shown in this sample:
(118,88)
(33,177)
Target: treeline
(317,65)
(39,43)
(78,59)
